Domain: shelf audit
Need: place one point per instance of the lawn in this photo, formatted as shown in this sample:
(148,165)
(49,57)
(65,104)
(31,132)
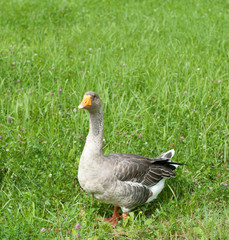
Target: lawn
(161,70)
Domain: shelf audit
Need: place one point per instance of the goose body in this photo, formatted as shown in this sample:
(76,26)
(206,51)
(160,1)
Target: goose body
(122,179)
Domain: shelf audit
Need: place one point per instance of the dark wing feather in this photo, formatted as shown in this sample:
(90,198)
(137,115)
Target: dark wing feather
(156,173)
(139,169)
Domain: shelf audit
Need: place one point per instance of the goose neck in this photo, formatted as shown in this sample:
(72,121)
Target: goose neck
(96,128)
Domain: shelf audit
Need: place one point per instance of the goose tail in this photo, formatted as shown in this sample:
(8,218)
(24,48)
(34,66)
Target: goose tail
(168,156)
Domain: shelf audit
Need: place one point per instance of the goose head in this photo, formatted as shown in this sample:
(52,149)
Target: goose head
(91,102)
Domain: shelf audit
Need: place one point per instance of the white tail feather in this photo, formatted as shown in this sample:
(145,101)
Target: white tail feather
(175,165)
(168,154)
(156,189)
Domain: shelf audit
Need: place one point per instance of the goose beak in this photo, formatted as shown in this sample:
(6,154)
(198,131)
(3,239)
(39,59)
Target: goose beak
(86,103)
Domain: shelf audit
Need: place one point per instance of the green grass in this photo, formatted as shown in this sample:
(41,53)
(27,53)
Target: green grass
(168,47)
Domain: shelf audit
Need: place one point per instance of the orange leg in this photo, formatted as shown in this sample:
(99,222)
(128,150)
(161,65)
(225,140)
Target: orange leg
(124,216)
(114,219)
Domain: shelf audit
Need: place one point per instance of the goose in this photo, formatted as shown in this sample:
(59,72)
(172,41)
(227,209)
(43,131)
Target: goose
(122,179)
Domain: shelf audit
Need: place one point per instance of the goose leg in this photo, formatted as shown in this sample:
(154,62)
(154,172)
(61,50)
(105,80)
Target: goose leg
(124,216)
(114,219)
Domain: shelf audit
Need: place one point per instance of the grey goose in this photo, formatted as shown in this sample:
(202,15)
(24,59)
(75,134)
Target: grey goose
(122,179)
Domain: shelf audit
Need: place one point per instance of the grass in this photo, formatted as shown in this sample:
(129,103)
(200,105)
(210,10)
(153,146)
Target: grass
(165,61)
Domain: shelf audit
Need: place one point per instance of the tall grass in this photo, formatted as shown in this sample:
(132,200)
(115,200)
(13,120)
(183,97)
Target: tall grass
(161,70)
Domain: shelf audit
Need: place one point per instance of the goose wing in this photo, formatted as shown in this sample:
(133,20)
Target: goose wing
(146,171)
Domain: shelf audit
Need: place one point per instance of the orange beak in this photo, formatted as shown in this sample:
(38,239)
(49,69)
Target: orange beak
(86,103)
